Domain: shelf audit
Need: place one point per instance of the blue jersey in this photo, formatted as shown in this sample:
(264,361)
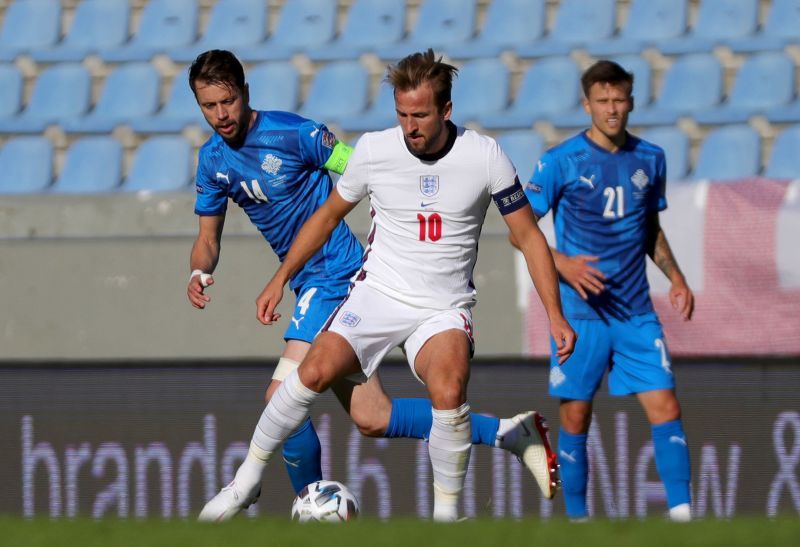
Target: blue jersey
(277,177)
(600,202)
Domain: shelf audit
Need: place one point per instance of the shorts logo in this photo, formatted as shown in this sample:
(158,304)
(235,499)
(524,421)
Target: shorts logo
(349,319)
(429,185)
(271,164)
(557,376)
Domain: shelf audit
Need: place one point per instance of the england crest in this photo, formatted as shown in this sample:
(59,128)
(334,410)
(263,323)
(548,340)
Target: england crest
(429,185)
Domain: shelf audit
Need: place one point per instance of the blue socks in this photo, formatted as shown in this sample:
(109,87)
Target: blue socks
(672,461)
(574,472)
(412,418)
(302,455)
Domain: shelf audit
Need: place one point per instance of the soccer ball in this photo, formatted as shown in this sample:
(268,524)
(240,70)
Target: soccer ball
(325,501)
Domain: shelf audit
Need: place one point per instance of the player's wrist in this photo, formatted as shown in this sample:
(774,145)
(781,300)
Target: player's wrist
(204,277)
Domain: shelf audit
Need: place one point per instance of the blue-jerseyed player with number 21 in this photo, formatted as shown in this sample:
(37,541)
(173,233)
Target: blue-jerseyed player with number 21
(606,188)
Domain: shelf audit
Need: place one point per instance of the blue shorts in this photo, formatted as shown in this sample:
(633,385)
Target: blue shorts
(633,350)
(315,301)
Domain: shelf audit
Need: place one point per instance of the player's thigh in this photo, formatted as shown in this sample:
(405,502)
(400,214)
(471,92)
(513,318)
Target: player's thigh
(660,405)
(641,360)
(366,402)
(580,376)
(329,359)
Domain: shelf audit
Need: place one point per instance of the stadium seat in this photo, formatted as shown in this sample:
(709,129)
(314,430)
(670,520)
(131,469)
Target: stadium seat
(62,92)
(92,164)
(508,24)
(380,114)
(578,23)
(440,24)
(370,24)
(717,21)
(785,114)
(27,165)
(339,90)
(481,88)
(642,73)
(301,25)
(784,162)
(765,81)
(524,148)
(131,91)
(161,164)
(164,25)
(676,149)
(179,111)
(729,152)
(691,84)
(648,23)
(97,25)
(232,24)
(550,87)
(10,91)
(779,30)
(274,85)
(29,25)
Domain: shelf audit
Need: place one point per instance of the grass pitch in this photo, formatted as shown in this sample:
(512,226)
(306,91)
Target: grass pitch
(403,532)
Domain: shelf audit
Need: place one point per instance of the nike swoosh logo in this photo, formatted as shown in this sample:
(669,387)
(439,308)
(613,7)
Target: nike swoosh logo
(569,457)
(423,204)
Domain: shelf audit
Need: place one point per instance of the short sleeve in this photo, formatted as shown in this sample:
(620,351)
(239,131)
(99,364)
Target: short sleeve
(353,185)
(502,174)
(660,193)
(542,189)
(316,143)
(211,197)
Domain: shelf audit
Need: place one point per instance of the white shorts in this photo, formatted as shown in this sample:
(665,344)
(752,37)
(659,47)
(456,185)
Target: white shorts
(373,324)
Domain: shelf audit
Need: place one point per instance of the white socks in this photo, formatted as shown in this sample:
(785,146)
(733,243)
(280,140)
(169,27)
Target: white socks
(449,447)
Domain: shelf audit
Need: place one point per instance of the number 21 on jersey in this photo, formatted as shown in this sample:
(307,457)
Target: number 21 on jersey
(430,227)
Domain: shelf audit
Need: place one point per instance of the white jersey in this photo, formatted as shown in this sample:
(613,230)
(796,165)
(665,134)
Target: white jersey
(427,215)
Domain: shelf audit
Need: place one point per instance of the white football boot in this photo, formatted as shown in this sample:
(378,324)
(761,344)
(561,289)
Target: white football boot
(227,504)
(529,441)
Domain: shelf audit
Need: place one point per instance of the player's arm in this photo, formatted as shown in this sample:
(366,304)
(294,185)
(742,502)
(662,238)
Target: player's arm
(658,249)
(529,239)
(310,239)
(337,162)
(203,259)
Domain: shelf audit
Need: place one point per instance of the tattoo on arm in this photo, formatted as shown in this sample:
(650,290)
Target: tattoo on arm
(659,250)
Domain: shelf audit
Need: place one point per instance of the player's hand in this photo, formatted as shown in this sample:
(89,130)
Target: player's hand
(581,275)
(196,290)
(267,301)
(565,338)
(682,299)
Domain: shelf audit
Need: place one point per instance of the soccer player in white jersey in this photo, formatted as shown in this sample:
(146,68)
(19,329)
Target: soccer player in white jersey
(430,184)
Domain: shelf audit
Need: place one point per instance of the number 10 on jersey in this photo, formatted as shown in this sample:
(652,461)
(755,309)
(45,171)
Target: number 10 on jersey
(430,227)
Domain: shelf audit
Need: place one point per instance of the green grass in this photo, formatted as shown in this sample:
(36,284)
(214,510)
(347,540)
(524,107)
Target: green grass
(405,532)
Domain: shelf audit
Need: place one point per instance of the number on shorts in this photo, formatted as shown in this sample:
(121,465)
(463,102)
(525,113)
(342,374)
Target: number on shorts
(662,347)
(305,300)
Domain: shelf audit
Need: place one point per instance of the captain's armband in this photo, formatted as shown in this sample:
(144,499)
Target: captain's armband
(510,199)
(339,156)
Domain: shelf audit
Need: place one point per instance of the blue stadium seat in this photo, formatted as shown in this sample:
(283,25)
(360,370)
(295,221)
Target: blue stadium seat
(648,23)
(161,164)
(779,30)
(10,91)
(784,163)
(274,85)
(370,24)
(550,87)
(62,92)
(729,152)
(765,81)
(642,73)
(164,25)
(524,147)
(179,111)
(578,23)
(676,149)
(26,164)
(131,92)
(380,114)
(232,24)
(717,21)
(97,25)
(301,25)
(29,25)
(785,114)
(93,164)
(508,24)
(440,24)
(691,84)
(481,88)
(339,90)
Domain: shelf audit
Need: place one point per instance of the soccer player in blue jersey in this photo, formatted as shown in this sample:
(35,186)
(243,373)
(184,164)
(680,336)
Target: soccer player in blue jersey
(275,166)
(606,188)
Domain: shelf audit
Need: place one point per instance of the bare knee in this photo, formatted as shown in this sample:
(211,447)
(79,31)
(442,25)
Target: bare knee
(575,416)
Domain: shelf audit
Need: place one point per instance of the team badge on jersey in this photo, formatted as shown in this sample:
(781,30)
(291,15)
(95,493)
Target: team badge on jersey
(271,164)
(349,319)
(640,179)
(429,185)
(328,139)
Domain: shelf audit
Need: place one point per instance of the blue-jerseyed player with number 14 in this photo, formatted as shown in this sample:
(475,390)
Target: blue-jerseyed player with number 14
(606,188)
